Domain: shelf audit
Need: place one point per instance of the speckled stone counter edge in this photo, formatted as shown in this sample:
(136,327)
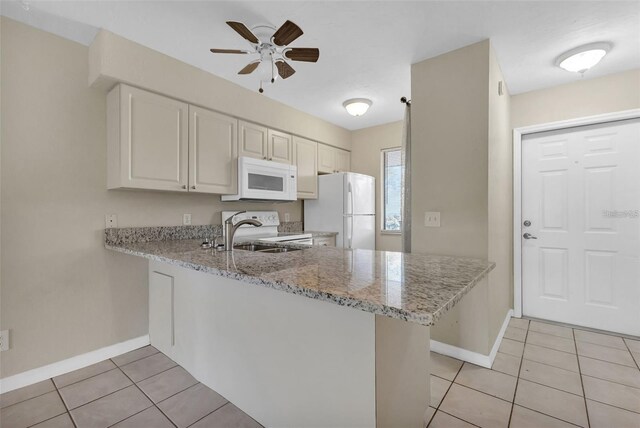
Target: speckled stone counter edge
(129,235)
(378,309)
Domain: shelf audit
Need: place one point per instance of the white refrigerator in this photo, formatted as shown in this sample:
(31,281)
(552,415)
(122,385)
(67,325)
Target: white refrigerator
(346,204)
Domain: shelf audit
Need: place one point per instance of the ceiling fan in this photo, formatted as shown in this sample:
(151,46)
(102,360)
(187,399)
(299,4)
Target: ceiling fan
(272,46)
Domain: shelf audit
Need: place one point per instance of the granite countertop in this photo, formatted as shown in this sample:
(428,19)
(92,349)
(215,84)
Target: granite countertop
(418,288)
(318,234)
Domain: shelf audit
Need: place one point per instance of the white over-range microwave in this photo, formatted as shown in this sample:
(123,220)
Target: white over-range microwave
(262,180)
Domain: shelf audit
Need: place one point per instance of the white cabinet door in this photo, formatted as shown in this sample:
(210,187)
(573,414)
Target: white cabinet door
(213,152)
(161,312)
(580,200)
(147,140)
(305,154)
(343,160)
(253,140)
(279,147)
(326,159)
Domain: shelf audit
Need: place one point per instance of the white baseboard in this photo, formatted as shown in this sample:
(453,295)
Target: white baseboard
(470,356)
(74,363)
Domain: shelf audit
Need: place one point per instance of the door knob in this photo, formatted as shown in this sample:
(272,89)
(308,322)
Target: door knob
(529,236)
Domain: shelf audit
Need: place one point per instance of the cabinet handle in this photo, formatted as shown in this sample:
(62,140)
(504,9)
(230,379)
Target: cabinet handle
(264,157)
(193,187)
(184,186)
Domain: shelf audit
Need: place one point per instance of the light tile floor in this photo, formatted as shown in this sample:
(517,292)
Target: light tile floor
(544,375)
(140,389)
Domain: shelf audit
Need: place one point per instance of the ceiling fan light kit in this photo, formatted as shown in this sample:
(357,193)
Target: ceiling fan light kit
(357,106)
(582,58)
(272,47)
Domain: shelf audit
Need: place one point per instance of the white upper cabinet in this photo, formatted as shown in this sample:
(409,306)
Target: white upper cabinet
(326,159)
(147,138)
(331,159)
(158,143)
(213,152)
(305,154)
(343,160)
(253,140)
(260,142)
(279,147)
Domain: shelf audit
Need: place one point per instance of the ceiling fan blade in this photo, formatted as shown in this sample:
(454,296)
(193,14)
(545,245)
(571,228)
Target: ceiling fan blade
(303,54)
(249,68)
(286,34)
(242,29)
(229,51)
(284,70)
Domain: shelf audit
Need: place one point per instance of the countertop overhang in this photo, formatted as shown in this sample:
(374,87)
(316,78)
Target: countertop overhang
(417,288)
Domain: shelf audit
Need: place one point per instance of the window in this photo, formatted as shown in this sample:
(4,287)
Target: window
(392,171)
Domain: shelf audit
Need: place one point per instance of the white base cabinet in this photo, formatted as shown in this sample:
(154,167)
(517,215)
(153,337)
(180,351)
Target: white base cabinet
(287,360)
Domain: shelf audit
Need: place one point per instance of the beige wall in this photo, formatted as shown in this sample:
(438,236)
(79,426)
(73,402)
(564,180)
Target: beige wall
(366,148)
(115,59)
(500,200)
(460,161)
(615,92)
(62,293)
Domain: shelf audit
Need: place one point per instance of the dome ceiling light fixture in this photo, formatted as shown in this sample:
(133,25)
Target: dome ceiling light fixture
(357,106)
(582,58)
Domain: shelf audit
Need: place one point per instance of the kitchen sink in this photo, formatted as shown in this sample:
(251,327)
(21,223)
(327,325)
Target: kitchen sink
(263,248)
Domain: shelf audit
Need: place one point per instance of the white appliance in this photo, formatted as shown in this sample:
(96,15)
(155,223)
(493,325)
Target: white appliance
(346,204)
(262,180)
(268,232)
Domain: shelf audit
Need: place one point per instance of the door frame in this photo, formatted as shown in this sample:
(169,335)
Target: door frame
(518,134)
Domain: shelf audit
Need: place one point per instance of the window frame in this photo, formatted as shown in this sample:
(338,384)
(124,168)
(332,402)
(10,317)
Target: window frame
(383,180)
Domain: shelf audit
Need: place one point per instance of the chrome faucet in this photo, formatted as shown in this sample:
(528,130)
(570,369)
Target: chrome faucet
(230,229)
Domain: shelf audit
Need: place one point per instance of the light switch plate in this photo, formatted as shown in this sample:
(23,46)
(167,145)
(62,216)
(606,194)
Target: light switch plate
(432,219)
(111,220)
(4,340)
(186,219)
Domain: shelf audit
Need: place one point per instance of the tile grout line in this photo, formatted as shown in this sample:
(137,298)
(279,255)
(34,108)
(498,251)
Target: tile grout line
(586,409)
(518,381)
(610,381)
(153,404)
(445,396)
(515,391)
(631,353)
(210,413)
(136,360)
(456,417)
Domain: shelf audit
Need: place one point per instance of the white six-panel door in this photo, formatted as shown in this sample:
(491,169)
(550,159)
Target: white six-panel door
(581,195)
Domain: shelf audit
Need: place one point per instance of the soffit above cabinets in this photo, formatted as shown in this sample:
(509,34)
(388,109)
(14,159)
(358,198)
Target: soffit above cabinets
(365,51)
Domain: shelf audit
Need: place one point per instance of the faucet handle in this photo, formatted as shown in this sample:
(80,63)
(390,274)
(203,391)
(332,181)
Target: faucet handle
(230,218)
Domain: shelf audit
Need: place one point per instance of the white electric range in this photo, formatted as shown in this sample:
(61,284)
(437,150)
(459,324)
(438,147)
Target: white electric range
(268,232)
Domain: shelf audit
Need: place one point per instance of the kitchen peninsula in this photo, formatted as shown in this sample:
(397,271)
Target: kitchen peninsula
(317,337)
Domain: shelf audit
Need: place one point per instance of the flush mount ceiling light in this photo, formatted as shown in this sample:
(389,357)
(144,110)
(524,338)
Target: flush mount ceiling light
(582,58)
(357,106)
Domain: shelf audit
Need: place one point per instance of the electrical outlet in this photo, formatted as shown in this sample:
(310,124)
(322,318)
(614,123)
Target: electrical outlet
(4,340)
(432,219)
(287,217)
(186,219)
(111,220)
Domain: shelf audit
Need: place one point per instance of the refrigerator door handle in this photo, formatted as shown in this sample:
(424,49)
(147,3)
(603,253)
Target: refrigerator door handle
(351,231)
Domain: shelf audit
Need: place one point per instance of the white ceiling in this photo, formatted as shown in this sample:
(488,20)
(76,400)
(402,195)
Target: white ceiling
(366,47)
